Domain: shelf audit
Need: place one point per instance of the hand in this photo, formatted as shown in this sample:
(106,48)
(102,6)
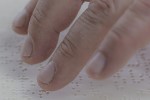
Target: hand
(106,35)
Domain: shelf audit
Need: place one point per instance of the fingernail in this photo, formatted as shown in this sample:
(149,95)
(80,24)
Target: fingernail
(20,19)
(97,63)
(28,48)
(46,75)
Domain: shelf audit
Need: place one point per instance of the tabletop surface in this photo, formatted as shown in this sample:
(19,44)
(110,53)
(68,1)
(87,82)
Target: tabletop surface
(18,80)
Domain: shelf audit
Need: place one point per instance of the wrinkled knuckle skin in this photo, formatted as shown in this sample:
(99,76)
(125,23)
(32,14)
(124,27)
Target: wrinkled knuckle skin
(102,4)
(121,35)
(145,3)
(98,12)
(141,9)
(68,48)
(37,17)
(119,32)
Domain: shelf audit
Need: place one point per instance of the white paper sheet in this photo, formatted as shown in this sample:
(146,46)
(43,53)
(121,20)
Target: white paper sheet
(18,80)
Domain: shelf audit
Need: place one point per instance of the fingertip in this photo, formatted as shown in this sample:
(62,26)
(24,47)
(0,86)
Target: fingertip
(42,85)
(96,65)
(34,52)
(34,59)
(46,87)
(20,31)
(21,21)
(46,78)
(101,76)
(20,24)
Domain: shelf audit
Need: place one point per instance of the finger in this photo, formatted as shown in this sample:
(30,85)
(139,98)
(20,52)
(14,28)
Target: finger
(130,33)
(49,18)
(80,43)
(21,22)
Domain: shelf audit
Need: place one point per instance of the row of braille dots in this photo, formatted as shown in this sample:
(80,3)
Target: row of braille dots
(79,90)
(76,86)
(15,52)
(120,82)
(145,54)
(132,76)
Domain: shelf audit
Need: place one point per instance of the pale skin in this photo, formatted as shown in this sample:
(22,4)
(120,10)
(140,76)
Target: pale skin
(103,39)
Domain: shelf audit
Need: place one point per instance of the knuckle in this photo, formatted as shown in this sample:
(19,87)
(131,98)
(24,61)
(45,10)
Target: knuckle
(123,37)
(68,48)
(145,3)
(118,32)
(98,11)
(38,16)
(140,9)
(102,4)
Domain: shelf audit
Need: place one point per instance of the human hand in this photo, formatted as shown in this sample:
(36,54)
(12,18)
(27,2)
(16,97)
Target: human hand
(105,36)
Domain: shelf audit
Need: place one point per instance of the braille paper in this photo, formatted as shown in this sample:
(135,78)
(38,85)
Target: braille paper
(18,80)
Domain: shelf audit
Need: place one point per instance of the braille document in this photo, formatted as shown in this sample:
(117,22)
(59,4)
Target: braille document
(18,79)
